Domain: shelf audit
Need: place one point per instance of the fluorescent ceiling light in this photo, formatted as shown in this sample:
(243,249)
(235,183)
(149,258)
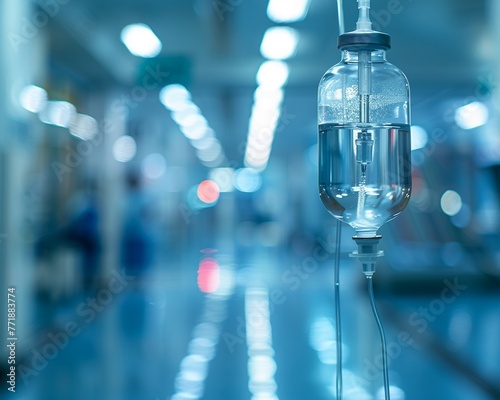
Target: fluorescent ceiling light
(182,117)
(272,74)
(33,98)
(471,115)
(84,127)
(174,97)
(223,177)
(451,203)
(279,43)
(124,148)
(58,113)
(247,180)
(271,96)
(285,11)
(141,40)
(419,137)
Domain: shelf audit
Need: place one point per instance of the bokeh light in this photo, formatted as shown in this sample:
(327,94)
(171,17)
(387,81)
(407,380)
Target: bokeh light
(33,98)
(286,11)
(208,275)
(272,74)
(84,127)
(208,191)
(175,97)
(223,177)
(396,393)
(279,43)
(141,40)
(471,115)
(247,180)
(153,166)
(58,113)
(451,203)
(419,137)
(124,148)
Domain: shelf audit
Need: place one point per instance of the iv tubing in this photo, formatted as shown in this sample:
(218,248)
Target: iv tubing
(340,8)
(338,326)
(337,311)
(382,338)
(364,84)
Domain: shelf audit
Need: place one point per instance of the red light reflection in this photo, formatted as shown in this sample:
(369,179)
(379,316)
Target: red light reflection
(208,275)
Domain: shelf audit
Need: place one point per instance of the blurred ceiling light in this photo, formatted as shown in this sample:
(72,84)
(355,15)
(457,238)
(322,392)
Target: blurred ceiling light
(268,96)
(215,163)
(272,74)
(84,127)
(195,132)
(279,43)
(194,368)
(258,150)
(205,141)
(258,163)
(208,275)
(33,98)
(182,117)
(419,137)
(211,153)
(227,281)
(58,113)
(471,115)
(124,148)
(256,158)
(193,125)
(285,11)
(247,180)
(153,166)
(396,393)
(208,330)
(208,191)
(141,40)
(260,140)
(223,177)
(174,97)
(208,151)
(451,203)
(321,332)
(202,346)
(194,121)
(263,118)
(261,368)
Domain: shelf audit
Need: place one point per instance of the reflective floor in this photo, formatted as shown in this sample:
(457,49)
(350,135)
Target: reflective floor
(258,323)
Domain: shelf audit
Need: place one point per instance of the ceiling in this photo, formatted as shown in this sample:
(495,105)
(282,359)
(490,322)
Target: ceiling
(433,42)
(442,46)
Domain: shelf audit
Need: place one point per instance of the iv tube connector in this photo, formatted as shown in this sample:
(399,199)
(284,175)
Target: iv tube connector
(364,38)
(364,23)
(367,253)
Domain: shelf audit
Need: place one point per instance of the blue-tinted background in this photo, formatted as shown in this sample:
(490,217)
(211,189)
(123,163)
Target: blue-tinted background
(135,278)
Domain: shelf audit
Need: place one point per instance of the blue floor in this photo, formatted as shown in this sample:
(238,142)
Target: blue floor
(159,337)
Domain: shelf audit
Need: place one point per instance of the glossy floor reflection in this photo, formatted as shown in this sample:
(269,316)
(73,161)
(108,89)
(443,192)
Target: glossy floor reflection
(267,330)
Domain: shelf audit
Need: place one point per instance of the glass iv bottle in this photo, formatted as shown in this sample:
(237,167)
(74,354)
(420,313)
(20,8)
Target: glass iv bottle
(364,136)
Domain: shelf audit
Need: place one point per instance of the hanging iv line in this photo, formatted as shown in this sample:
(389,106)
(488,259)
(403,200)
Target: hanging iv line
(364,150)
(338,319)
